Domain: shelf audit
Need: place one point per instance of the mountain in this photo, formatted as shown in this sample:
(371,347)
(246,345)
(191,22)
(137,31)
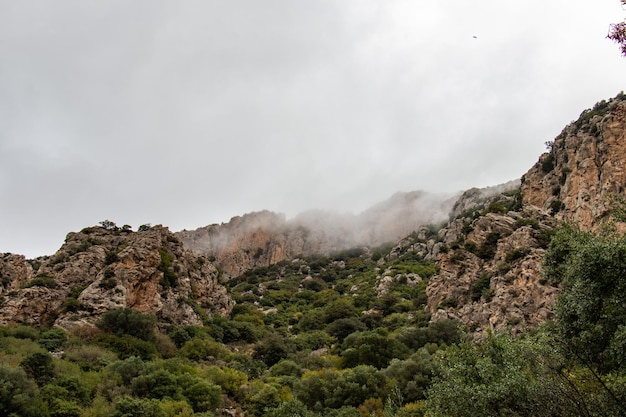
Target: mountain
(490,254)
(482,249)
(266,238)
(105,267)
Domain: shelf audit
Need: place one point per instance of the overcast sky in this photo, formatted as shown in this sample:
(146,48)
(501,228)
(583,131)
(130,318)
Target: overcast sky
(186,113)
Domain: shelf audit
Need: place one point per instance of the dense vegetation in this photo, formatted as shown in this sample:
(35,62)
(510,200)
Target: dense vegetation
(345,335)
(332,335)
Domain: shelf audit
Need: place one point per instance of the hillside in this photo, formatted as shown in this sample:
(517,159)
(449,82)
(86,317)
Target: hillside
(265,238)
(105,267)
(265,316)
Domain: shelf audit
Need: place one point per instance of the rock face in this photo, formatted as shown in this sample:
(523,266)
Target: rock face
(101,268)
(585,167)
(490,254)
(265,238)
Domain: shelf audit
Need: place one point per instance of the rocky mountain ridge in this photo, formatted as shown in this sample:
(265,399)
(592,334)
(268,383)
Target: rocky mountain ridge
(266,238)
(488,254)
(105,267)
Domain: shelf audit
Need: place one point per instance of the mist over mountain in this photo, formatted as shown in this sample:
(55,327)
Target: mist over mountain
(365,306)
(265,238)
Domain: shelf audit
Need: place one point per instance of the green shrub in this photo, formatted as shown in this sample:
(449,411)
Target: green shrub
(556,206)
(52,339)
(110,258)
(203,349)
(448,303)
(526,222)
(547,163)
(481,288)
(488,248)
(169,276)
(517,253)
(89,357)
(41,281)
(39,366)
(127,406)
(128,321)
(126,346)
(18,394)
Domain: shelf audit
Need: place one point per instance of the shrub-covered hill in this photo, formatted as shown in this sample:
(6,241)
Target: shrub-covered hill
(333,335)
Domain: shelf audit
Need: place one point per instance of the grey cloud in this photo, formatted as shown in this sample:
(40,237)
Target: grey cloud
(187,113)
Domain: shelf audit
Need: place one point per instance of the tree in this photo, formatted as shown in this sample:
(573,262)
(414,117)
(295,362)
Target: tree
(272,349)
(503,376)
(127,321)
(108,225)
(293,408)
(39,366)
(18,394)
(371,348)
(617,33)
(591,309)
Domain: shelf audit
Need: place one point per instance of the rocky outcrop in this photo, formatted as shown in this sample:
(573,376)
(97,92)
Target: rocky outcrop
(266,238)
(585,167)
(490,254)
(490,274)
(102,268)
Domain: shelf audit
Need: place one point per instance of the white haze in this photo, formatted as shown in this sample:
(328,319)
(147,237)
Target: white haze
(186,113)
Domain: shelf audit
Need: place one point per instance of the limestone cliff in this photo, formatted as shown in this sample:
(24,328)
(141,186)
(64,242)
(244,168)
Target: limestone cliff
(490,254)
(585,167)
(266,238)
(101,268)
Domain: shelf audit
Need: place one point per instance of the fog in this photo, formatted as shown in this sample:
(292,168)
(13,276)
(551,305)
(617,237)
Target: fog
(188,113)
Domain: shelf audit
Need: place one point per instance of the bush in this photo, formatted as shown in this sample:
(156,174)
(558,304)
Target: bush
(157,384)
(169,277)
(342,328)
(18,394)
(488,249)
(127,321)
(89,357)
(126,346)
(52,339)
(39,366)
(135,407)
(556,206)
(203,349)
(202,395)
(272,349)
(517,253)
(547,163)
(41,281)
(481,288)
(371,348)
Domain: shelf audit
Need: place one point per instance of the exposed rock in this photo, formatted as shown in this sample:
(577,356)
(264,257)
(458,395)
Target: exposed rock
(100,268)
(497,287)
(490,273)
(266,238)
(14,272)
(585,167)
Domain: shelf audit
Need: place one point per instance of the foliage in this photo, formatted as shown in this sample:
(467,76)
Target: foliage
(502,376)
(371,348)
(166,267)
(488,248)
(39,366)
(617,33)
(480,288)
(41,281)
(310,337)
(18,394)
(128,321)
(591,309)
